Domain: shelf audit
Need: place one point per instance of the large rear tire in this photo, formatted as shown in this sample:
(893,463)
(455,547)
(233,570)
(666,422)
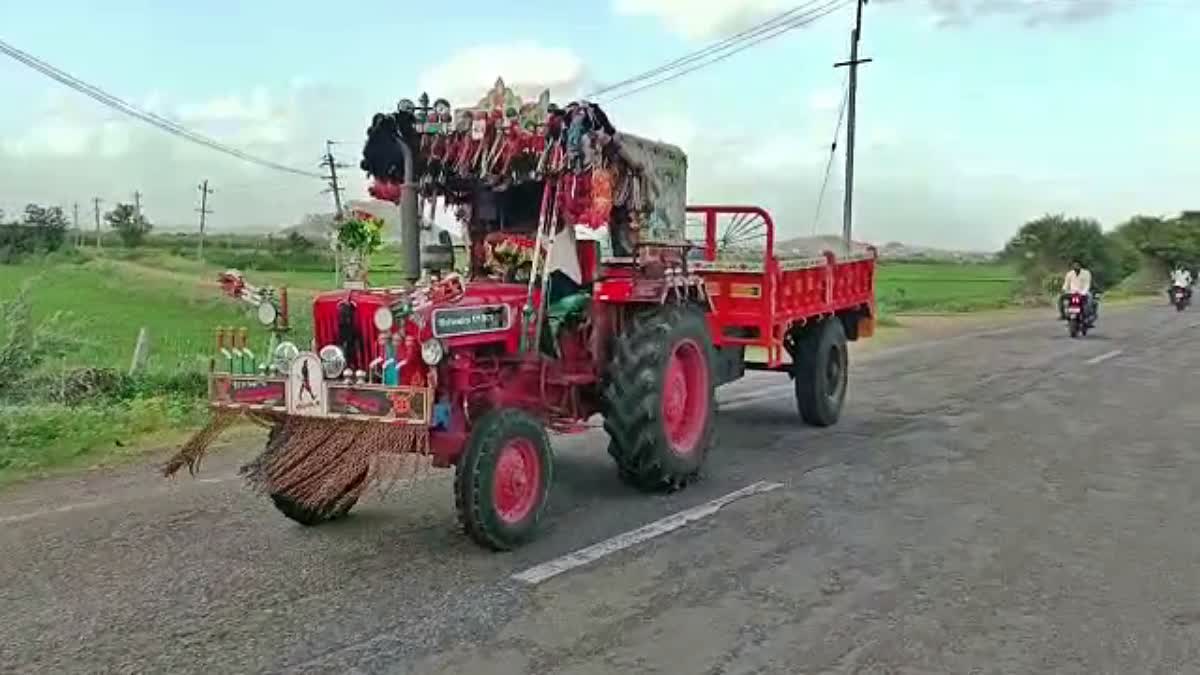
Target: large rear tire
(503,479)
(660,405)
(821,373)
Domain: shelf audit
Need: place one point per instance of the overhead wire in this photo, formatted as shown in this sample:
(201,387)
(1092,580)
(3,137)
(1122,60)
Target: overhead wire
(728,50)
(116,103)
(690,57)
(837,132)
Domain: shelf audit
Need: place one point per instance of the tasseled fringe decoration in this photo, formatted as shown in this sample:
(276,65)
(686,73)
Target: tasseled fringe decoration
(194,450)
(325,464)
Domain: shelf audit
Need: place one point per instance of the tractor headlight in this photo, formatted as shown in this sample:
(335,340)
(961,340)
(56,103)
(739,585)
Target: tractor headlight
(267,314)
(284,354)
(432,351)
(383,319)
(333,361)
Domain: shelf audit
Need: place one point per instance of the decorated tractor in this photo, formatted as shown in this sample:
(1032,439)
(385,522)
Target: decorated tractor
(590,289)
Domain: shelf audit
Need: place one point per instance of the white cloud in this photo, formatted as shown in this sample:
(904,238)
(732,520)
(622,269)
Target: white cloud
(705,21)
(73,149)
(825,100)
(528,68)
(702,20)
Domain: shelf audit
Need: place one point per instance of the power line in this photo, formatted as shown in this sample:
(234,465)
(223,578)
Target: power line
(832,154)
(150,118)
(690,57)
(829,7)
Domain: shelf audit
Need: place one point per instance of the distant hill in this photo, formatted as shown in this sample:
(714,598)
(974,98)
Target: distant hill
(894,251)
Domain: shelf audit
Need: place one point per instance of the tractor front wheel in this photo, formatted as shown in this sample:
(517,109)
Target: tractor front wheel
(503,479)
(821,373)
(306,515)
(310,517)
(660,405)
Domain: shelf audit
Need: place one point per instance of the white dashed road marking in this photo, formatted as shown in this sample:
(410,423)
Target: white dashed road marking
(539,573)
(1103,357)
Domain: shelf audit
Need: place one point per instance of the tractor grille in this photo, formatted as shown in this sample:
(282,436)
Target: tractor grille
(355,332)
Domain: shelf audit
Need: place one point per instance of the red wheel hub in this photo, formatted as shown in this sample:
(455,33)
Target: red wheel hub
(517,479)
(685,397)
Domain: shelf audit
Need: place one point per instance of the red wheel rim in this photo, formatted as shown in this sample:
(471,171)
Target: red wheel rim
(685,397)
(516,481)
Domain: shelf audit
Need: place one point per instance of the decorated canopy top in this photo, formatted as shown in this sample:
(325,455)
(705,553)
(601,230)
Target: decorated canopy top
(600,177)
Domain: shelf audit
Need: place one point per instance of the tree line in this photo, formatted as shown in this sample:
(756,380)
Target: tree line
(1137,253)
(43,229)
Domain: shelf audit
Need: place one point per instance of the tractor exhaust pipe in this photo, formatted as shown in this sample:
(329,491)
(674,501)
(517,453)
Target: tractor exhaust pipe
(410,219)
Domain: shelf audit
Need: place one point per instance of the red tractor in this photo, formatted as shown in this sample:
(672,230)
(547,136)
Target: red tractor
(548,329)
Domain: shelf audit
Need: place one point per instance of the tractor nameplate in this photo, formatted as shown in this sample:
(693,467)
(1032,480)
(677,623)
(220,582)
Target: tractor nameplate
(470,320)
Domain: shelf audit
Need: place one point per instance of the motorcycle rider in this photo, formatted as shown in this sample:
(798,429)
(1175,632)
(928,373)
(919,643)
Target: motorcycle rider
(1078,280)
(1180,278)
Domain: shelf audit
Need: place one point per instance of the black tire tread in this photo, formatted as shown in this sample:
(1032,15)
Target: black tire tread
(811,349)
(632,399)
(476,466)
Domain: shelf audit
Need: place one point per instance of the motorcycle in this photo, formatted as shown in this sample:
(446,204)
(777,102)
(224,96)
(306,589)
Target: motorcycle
(1181,297)
(1080,318)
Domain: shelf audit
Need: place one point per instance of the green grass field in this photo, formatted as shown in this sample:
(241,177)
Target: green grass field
(944,287)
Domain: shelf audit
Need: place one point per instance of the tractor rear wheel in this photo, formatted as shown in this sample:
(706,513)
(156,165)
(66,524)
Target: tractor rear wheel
(659,401)
(821,369)
(502,480)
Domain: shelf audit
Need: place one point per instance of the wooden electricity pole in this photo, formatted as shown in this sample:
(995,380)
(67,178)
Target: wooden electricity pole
(205,191)
(851,107)
(96,210)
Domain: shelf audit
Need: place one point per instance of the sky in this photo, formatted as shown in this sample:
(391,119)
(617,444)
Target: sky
(974,117)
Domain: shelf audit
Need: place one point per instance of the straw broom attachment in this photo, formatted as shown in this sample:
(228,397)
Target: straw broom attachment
(320,464)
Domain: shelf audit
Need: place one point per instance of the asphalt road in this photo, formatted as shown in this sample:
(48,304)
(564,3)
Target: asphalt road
(990,503)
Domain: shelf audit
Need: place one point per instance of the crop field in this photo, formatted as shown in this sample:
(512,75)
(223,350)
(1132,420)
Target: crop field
(944,287)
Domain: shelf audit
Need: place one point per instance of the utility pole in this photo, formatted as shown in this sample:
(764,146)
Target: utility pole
(75,222)
(330,163)
(96,209)
(137,204)
(205,191)
(853,63)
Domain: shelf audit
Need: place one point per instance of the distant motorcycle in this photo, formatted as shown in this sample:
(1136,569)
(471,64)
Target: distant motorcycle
(1080,317)
(1181,297)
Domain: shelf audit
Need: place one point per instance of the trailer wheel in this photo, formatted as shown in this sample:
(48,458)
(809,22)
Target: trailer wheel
(503,479)
(821,371)
(659,402)
(307,516)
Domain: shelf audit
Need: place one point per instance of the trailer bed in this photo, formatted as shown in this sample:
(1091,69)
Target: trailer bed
(760,292)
